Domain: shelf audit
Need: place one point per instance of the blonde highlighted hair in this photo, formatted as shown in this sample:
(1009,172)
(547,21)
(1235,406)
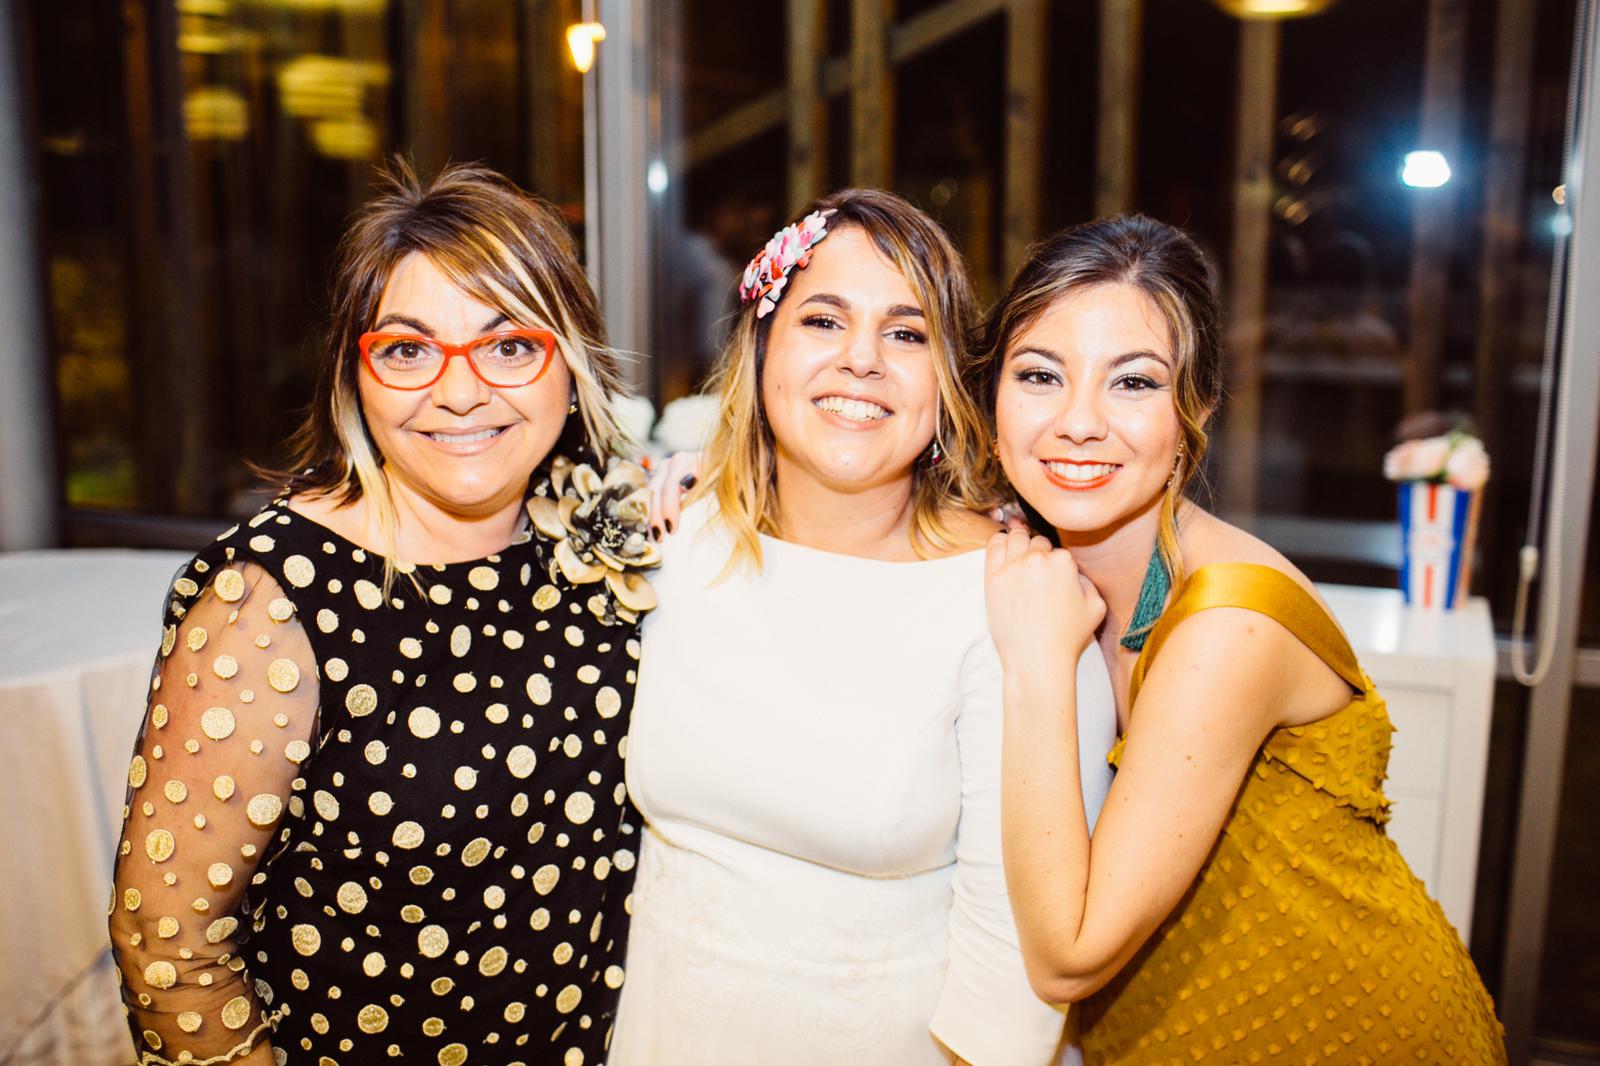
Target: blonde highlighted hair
(1166,265)
(739,464)
(495,243)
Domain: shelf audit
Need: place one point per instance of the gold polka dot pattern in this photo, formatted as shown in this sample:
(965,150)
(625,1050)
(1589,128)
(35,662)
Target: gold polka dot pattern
(1305,939)
(356,822)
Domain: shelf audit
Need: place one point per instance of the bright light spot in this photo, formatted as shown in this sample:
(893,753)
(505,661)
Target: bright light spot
(1425,170)
(581,39)
(1561,224)
(655,177)
(1271,9)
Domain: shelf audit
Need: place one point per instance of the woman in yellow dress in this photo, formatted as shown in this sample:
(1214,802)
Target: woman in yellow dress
(1240,901)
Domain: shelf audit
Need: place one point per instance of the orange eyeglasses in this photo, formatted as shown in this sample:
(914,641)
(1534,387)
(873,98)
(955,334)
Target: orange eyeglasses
(504,360)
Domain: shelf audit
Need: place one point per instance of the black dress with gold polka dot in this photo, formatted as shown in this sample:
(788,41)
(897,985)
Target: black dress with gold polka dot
(369,824)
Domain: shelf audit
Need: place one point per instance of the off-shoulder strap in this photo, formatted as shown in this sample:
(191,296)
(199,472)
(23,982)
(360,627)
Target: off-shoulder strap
(1266,591)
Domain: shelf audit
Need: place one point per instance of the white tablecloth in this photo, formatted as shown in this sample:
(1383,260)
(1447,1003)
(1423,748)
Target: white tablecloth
(78,634)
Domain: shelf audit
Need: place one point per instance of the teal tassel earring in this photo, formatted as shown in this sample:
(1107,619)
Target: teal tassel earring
(1152,598)
(1157,585)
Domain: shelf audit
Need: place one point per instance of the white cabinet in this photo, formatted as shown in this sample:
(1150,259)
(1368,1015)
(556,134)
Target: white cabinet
(1436,671)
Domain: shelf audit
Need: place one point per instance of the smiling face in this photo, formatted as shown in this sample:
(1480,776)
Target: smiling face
(848,386)
(463,446)
(1088,430)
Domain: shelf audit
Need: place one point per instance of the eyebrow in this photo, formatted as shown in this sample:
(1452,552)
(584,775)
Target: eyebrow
(422,328)
(404,320)
(832,300)
(1142,353)
(1124,358)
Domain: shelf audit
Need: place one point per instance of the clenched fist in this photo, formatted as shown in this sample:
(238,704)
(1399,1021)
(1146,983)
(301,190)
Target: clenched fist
(1042,612)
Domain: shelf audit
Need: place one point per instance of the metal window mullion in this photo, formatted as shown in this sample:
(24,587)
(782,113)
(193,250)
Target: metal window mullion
(29,495)
(624,133)
(1578,406)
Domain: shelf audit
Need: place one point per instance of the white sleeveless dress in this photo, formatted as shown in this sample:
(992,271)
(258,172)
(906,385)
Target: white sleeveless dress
(816,749)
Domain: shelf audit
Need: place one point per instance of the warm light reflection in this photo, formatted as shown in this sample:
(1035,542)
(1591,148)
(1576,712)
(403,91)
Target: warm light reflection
(348,138)
(581,39)
(346,7)
(314,86)
(331,94)
(214,113)
(204,32)
(1274,9)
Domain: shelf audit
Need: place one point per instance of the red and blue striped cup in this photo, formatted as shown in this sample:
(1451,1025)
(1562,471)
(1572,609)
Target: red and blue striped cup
(1435,529)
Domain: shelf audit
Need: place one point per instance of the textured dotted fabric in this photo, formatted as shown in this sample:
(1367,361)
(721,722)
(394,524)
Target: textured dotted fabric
(1305,939)
(369,825)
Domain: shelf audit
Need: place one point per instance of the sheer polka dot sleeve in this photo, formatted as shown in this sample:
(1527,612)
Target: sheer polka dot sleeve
(232,715)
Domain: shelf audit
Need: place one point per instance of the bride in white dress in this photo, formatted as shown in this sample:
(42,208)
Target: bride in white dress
(815,741)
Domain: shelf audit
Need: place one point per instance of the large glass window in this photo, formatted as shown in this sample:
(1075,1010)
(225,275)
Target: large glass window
(197,160)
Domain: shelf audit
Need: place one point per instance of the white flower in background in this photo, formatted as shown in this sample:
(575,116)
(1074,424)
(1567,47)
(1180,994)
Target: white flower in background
(1458,458)
(1468,465)
(686,423)
(635,416)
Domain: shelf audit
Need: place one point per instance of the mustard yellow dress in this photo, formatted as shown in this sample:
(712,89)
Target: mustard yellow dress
(1305,938)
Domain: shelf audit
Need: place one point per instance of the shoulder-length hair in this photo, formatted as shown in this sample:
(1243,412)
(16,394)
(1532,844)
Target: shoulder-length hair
(495,243)
(739,464)
(1166,265)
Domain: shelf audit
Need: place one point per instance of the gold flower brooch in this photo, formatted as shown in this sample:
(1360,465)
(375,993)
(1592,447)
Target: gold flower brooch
(600,526)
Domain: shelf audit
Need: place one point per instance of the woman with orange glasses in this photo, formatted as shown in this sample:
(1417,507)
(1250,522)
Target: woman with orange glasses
(377,807)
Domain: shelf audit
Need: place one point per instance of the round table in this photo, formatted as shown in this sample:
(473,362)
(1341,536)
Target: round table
(78,634)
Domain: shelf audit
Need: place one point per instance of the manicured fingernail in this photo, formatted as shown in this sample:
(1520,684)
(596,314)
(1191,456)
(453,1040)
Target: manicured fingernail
(687,482)
(668,523)
(655,532)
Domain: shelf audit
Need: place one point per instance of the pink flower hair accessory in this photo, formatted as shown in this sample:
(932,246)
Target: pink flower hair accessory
(787,251)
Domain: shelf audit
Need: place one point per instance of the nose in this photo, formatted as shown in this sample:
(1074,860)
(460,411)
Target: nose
(860,355)
(458,389)
(1081,416)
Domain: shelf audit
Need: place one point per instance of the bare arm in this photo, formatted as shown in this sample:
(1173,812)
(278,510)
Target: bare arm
(1084,907)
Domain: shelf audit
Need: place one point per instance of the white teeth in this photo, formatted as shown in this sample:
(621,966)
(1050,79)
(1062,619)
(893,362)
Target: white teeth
(1080,471)
(464,438)
(854,410)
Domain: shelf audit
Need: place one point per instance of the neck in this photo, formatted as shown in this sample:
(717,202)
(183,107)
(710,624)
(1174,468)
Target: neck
(873,522)
(1115,561)
(427,532)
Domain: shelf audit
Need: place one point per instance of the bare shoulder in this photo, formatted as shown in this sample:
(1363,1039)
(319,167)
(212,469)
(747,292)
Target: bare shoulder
(1263,656)
(1208,539)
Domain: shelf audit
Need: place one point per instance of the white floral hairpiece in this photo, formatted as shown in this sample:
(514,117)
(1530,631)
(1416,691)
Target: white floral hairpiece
(787,251)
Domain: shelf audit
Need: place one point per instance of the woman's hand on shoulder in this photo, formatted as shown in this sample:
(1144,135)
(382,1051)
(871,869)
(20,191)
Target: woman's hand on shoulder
(670,481)
(1042,612)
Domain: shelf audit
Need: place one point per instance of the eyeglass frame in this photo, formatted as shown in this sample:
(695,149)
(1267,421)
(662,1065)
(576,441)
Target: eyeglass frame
(365,342)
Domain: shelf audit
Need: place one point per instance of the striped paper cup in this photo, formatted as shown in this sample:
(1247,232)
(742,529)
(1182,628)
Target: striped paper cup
(1436,530)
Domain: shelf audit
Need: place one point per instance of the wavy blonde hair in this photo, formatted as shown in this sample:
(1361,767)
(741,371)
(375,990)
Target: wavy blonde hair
(1166,265)
(496,243)
(740,465)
